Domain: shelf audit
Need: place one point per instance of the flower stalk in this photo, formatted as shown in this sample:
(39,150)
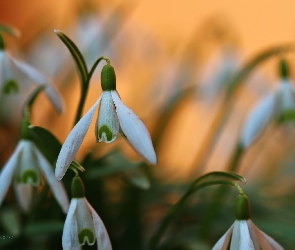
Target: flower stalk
(201,182)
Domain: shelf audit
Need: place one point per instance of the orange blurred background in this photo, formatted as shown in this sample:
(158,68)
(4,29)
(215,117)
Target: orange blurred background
(176,29)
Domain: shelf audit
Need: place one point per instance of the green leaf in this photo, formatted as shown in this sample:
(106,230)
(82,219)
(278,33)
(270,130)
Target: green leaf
(43,228)
(9,30)
(77,56)
(254,62)
(10,220)
(216,176)
(137,178)
(46,142)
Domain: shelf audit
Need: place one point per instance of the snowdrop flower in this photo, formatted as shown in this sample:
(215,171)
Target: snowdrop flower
(113,115)
(24,169)
(12,72)
(219,70)
(83,223)
(243,234)
(277,106)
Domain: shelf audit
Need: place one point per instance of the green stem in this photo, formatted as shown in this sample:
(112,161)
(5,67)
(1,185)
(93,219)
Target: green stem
(212,136)
(235,160)
(85,87)
(175,208)
(211,214)
(2,46)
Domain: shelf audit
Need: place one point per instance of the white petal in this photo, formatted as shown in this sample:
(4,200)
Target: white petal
(286,95)
(265,241)
(241,239)
(107,119)
(223,242)
(8,171)
(85,221)
(57,187)
(253,234)
(101,234)
(29,71)
(23,193)
(5,68)
(40,79)
(258,119)
(70,231)
(73,142)
(28,162)
(135,131)
(55,98)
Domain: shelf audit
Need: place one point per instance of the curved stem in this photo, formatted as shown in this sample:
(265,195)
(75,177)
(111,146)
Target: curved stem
(175,208)
(1,43)
(236,158)
(95,65)
(85,87)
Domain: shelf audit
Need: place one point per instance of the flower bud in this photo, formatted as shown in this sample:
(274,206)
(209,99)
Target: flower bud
(242,207)
(284,69)
(78,189)
(108,78)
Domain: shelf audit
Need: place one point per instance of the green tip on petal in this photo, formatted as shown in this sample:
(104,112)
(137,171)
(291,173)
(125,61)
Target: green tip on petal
(284,69)
(78,189)
(242,207)
(286,116)
(108,78)
(88,234)
(29,175)
(104,129)
(9,87)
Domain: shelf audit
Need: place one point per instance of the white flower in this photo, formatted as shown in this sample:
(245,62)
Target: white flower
(83,224)
(12,72)
(244,235)
(219,70)
(279,105)
(113,115)
(24,168)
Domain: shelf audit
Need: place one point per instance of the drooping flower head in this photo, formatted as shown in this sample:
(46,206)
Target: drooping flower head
(83,223)
(26,166)
(113,116)
(278,106)
(243,234)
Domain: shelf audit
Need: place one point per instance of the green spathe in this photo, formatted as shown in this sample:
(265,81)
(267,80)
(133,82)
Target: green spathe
(286,116)
(88,234)
(108,78)
(78,189)
(104,129)
(284,69)
(242,207)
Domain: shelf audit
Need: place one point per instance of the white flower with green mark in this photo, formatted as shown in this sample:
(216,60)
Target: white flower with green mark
(12,73)
(278,106)
(83,223)
(113,116)
(243,234)
(24,169)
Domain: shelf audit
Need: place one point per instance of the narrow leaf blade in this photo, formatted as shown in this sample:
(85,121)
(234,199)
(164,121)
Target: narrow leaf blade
(76,54)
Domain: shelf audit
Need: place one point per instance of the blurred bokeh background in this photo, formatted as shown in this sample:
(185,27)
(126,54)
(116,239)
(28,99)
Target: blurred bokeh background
(160,49)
